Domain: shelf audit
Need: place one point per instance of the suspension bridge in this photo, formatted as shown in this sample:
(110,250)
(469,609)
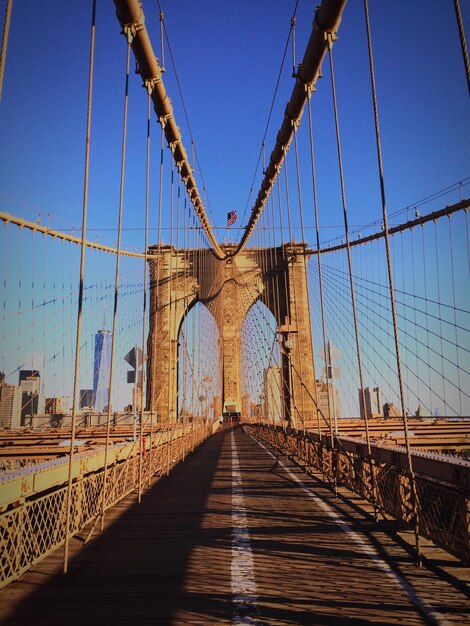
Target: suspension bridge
(257,413)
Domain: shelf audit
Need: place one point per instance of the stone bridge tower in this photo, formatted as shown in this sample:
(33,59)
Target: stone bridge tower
(229,288)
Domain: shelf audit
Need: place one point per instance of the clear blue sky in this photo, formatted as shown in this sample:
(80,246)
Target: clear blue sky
(228,56)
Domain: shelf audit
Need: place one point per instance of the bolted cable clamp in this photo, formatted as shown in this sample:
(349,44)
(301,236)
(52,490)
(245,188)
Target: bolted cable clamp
(173,145)
(149,84)
(310,89)
(130,29)
(163,119)
(330,36)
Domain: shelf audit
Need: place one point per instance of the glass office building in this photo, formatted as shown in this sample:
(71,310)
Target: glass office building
(101,370)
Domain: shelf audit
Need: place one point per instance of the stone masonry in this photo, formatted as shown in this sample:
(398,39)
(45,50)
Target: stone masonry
(229,288)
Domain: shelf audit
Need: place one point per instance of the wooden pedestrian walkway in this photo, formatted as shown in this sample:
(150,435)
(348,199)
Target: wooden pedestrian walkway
(236,535)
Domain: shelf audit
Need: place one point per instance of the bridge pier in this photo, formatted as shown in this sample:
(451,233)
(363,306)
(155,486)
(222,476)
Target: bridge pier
(173,291)
(229,288)
(285,274)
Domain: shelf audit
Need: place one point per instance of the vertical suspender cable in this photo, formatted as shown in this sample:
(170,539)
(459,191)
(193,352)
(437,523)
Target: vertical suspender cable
(278,315)
(391,286)
(413,265)
(20,298)
(33,263)
(4,304)
(80,292)
(301,212)
(185,279)
(396,281)
(467,238)
(144,316)
(299,374)
(320,275)
(192,355)
(440,318)
(198,380)
(116,275)
(287,383)
(162,47)
(44,300)
(351,281)
(62,337)
(159,228)
(3,53)
(426,315)
(272,303)
(178,287)
(171,380)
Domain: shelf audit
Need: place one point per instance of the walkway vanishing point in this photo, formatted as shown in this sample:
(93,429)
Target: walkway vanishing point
(238,535)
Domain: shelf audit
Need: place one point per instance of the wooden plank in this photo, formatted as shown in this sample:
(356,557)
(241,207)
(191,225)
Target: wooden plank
(168,560)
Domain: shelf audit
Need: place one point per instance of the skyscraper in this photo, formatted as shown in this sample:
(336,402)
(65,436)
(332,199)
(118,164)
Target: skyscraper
(334,404)
(272,394)
(101,370)
(31,375)
(10,405)
(32,400)
(86,398)
(373,406)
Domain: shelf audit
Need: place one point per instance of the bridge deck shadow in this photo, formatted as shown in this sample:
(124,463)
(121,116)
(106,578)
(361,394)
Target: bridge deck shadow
(168,560)
(133,572)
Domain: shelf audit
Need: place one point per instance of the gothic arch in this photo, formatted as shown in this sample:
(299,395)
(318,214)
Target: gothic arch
(228,288)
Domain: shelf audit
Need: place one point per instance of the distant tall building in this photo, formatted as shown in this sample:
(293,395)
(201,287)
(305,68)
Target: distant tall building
(137,398)
(59,405)
(322,399)
(373,406)
(10,405)
(245,405)
(30,375)
(390,410)
(102,370)
(32,400)
(217,402)
(272,394)
(86,398)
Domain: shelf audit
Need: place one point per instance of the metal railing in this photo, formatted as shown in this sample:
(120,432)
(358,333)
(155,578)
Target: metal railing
(32,528)
(443,484)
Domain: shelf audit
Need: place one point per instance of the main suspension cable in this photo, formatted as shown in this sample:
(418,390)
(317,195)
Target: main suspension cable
(463,42)
(3,52)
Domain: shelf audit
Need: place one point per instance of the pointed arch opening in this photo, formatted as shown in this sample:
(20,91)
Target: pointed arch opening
(263,380)
(199,365)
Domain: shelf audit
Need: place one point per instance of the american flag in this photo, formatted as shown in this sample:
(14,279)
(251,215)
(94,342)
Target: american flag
(231,218)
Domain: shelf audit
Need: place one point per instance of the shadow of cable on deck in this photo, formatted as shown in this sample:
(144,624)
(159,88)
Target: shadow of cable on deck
(134,572)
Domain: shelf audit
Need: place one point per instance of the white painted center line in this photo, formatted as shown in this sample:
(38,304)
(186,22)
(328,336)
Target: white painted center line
(245,600)
(425,608)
